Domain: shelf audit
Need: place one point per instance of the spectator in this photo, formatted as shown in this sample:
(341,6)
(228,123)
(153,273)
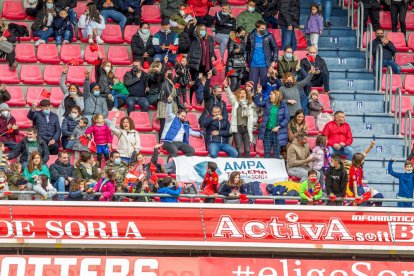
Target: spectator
(339,135)
(356,175)
(13,176)
(128,138)
(218,134)
(314,25)
(43,25)
(131,9)
(233,188)
(28,145)
(320,154)
(62,173)
(118,166)
(243,119)
(24,186)
(72,96)
(288,63)
(169,8)
(94,102)
(236,58)
(63,28)
(154,75)
(4,165)
(405,182)
(104,76)
(74,142)
(4,186)
(388,50)
(7,122)
(289,16)
(7,48)
(163,40)
(210,182)
(293,91)
(179,21)
(141,44)
(201,86)
(119,91)
(268,9)
(176,133)
(213,99)
(273,129)
(200,9)
(92,24)
(315,107)
(168,187)
(272,83)
(371,9)
(310,189)
(44,190)
(110,9)
(327,9)
(225,23)
(248,19)
(297,125)
(321,73)
(77,187)
(186,36)
(102,137)
(106,186)
(69,124)
(398,14)
(86,169)
(135,81)
(261,53)
(298,157)
(31,7)
(47,123)
(182,78)
(336,179)
(68,6)
(35,167)
(201,55)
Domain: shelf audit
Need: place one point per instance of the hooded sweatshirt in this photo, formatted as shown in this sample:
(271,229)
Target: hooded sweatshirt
(336,180)
(406,182)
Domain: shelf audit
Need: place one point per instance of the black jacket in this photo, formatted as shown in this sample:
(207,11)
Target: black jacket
(236,58)
(41,20)
(270,48)
(136,86)
(336,181)
(47,130)
(269,9)
(224,23)
(22,150)
(226,189)
(138,47)
(318,64)
(223,127)
(289,13)
(61,4)
(194,54)
(209,102)
(58,169)
(387,50)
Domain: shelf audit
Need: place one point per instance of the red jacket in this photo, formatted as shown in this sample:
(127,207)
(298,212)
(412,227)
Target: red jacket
(210,184)
(337,134)
(200,7)
(3,129)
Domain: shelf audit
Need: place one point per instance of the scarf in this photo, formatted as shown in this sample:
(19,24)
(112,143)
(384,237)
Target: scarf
(205,54)
(144,37)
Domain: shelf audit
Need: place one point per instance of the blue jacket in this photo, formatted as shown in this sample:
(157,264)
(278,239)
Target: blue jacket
(161,38)
(173,125)
(283,118)
(269,87)
(123,5)
(61,25)
(270,48)
(46,130)
(68,126)
(223,127)
(170,191)
(406,182)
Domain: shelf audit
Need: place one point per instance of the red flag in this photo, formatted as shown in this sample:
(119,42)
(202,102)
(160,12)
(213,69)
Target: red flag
(365,197)
(177,85)
(231,72)
(332,197)
(96,62)
(92,147)
(146,65)
(173,48)
(6,193)
(189,10)
(84,140)
(219,67)
(94,47)
(10,130)
(179,58)
(6,33)
(73,61)
(243,197)
(45,94)
(237,40)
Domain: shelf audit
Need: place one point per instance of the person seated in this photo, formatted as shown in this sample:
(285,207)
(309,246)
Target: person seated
(120,167)
(298,157)
(169,7)
(141,44)
(110,9)
(288,63)
(212,99)
(131,9)
(169,187)
(68,6)
(91,24)
(32,7)
(135,81)
(233,188)
(249,17)
(339,135)
(7,48)
(179,21)
(162,40)
(310,189)
(218,134)
(62,173)
(297,125)
(43,25)
(63,28)
(8,127)
(388,51)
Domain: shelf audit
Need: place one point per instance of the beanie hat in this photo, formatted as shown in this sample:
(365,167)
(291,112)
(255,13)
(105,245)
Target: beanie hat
(250,83)
(313,92)
(4,106)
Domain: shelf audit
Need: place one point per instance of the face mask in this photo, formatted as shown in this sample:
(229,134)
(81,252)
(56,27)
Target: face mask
(5,113)
(2,179)
(49,6)
(288,55)
(165,31)
(379,37)
(262,32)
(225,13)
(117,161)
(203,33)
(46,111)
(251,9)
(145,31)
(408,171)
(312,179)
(74,115)
(170,76)
(289,84)
(96,93)
(73,93)
(107,69)
(218,97)
(311,57)
(30,139)
(182,13)
(242,37)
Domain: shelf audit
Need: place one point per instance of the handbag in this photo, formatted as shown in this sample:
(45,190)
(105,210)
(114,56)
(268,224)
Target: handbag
(238,62)
(6,47)
(322,120)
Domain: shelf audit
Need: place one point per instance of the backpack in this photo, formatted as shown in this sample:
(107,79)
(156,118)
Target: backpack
(18,30)
(253,188)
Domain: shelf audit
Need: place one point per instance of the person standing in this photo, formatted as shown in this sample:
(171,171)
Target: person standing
(398,13)
(289,16)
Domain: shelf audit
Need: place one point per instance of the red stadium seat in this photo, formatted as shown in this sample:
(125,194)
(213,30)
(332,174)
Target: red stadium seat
(17,96)
(326,103)
(129,32)
(80,8)
(111,115)
(300,54)
(410,42)
(25,53)
(33,94)
(213,10)
(52,160)
(406,104)
(151,14)
(409,21)
(71,52)
(398,39)
(193,121)
(91,57)
(48,53)
(20,114)
(52,74)
(56,96)
(310,122)
(118,55)
(155,122)
(364,42)
(385,19)
(154,29)
(7,76)
(237,10)
(121,71)
(237,2)
(402,127)
(13,10)
(301,39)
(31,74)
(404,58)
(148,141)
(277,35)
(141,120)
(199,145)
(260,148)
(396,82)
(76,75)
(226,100)
(112,34)
(312,142)
(195,105)
(409,84)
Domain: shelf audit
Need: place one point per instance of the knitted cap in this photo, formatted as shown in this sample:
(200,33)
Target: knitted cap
(4,106)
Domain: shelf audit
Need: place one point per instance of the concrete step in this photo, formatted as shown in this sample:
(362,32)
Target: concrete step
(338,32)
(351,84)
(355,118)
(372,129)
(337,41)
(345,63)
(378,175)
(350,75)
(337,21)
(336,11)
(371,162)
(340,53)
(380,151)
(346,95)
(359,107)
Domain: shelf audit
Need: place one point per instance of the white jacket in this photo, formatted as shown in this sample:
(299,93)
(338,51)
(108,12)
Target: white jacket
(84,22)
(127,144)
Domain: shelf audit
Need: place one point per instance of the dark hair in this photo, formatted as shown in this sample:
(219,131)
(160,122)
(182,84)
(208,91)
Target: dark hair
(298,112)
(183,5)
(232,177)
(93,12)
(131,123)
(181,111)
(314,5)
(408,163)
(75,185)
(85,156)
(259,22)
(77,108)
(85,120)
(240,29)
(216,107)
(321,140)
(111,175)
(62,152)
(138,59)
(166,181)
(300,136)
(113,153)
(44,179)
(32,129)
(251,1)
(338,112)
(288,47)
(357,159)
(77,88)
(336,157)
(310,172)
(143,23)
(212,166)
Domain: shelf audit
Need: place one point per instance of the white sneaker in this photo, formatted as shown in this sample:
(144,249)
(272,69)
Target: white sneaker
(110,97)
(99,40)
(65,41)
(90,40)
(40,41)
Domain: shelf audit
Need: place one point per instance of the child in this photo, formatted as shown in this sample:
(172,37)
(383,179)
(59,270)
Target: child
(336,179)
(320,156)
(310,190)
(77,187)
(14,175)
(183,78)
(24,186)
(63,28)
(106,185)
(119,91)
(102,137)
(168,187)
(314,26)
(44,190)
(4,187)
(406,182)
(201,86)
(210,183)
(3,158)
(314,106)
(74,142)
(356,175)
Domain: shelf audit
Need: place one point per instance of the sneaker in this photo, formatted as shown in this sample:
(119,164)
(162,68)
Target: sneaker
(331,97)
(65,42)
(40,41)
(110,97)
(99,40)
(90,40)
(328,24)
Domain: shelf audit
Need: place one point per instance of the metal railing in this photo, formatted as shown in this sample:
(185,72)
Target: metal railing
(360,25)
(368,49)
(351,12)
(378,67)
(397,111)
(408,131)
(388,89)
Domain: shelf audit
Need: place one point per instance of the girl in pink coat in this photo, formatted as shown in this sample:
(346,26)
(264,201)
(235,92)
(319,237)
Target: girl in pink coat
(101,135)
(106,185)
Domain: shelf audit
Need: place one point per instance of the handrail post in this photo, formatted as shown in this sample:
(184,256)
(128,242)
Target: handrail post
(368,48)
(397,111)
(358,27)
(378,68)
(408,129)
(388,89)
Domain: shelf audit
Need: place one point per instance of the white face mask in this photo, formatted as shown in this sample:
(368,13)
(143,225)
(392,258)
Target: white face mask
(107,69)
(409,171)
(251,9)
(182,13)
(74,115)
(5,113)
(2,179)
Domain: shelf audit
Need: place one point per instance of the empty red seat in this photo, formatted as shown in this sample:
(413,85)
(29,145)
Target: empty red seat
(56,96)
(33,94)
(118,55)
(277,35)
(20,114)
(195,104)
(31,74)
(80,8)
(91,57)
(25,53)
(409,84)
(402,127)
(213,10)
(301,39)
(129,32)
(111,115)
(8,76)
(396,82)
(71,53)
(385,19)
(155,122)
(52,160)
(76,75)
(405,103)
(121,71)
(141,120)
(13,10)
(155,29)
(409,21)
(404,58)
(300,54)
(112,34)
(17,96)
(199,145)
(237,10)
(364,42)
(310,122)
(48,53)
(52,74)
(148,142)
(398,39)
(410,41)
(151,14)
(312,142)
(226,100)
(259,148)
(193,121)
(326,103)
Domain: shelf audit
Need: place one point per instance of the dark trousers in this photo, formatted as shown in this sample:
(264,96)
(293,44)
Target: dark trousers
(321,80)
(141,101)
(242,139)
(373,14)
(398,13)
(258,73)
(162,124)
(174,147)
(10,57)
(235,83)
(54,148)
(270,142)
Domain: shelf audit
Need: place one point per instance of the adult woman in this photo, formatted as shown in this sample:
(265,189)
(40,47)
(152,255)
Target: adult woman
(94,102)
(398,14)
(104,77)
(297,125)
(141,44)
(233,188)
(42,26)
(128,138)
(35,168)
(273,130)
(201,54)
(72,96)
(91,24)
(7,46)
(236,61)
(293,91)
(85,169)
(70,122)
(243,118)
(154,86)
(288,63)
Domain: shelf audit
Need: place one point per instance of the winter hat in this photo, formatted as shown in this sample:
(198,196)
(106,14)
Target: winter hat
(313,92)
(21,182)
(250,83)
(4,106)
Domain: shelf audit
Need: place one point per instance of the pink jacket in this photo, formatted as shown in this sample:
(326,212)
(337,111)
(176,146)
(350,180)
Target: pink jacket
(107,189)
(101,134)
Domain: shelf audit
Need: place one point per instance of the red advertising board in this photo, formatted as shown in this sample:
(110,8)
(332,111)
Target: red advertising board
(195,226)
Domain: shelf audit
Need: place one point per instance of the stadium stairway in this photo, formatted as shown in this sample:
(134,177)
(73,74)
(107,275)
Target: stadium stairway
(353,89)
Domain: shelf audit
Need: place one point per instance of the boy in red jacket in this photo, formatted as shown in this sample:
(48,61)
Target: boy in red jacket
(210,182)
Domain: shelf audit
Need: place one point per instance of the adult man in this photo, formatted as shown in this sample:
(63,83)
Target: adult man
(298,157)
(339,135)
(28,145)
(225,23)
(289,15)
(179,21)
(388,50)
(62,173)
(163,40)
(135,81)
(110,9)
(169,7)
(248,18)
(261,53)
(371,9)
(218,134)
(213,99)
(118,166)
(9,129)
(47,124)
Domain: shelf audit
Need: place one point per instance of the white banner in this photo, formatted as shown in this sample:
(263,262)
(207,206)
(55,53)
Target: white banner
(193,169)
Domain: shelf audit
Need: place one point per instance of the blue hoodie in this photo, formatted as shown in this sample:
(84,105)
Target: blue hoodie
(170,191)
(406,182)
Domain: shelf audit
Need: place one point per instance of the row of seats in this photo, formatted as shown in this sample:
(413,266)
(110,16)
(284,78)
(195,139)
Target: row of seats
(385,20)
(406,86)
(398,39)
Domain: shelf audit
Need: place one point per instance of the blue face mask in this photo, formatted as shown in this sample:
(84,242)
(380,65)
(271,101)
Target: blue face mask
(96,93)
(203,33)
(288,55)
(49,6)
(117,161)
(46,111)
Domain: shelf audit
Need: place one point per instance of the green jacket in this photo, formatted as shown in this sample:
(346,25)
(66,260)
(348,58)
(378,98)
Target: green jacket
(121,171)
(179,20)
(120,88)
(248,20)
(304,187)
(29,175)
(284,66)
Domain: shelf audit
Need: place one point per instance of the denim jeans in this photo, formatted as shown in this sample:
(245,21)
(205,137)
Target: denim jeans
(288,38)
(115,16)
(327,9)
(348,152)
(60,186)
(70,144)
(61,38)
(223,39)
(117,96)
(258,73)
(141,101)
(44,35)
(214,149)
(389,62)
